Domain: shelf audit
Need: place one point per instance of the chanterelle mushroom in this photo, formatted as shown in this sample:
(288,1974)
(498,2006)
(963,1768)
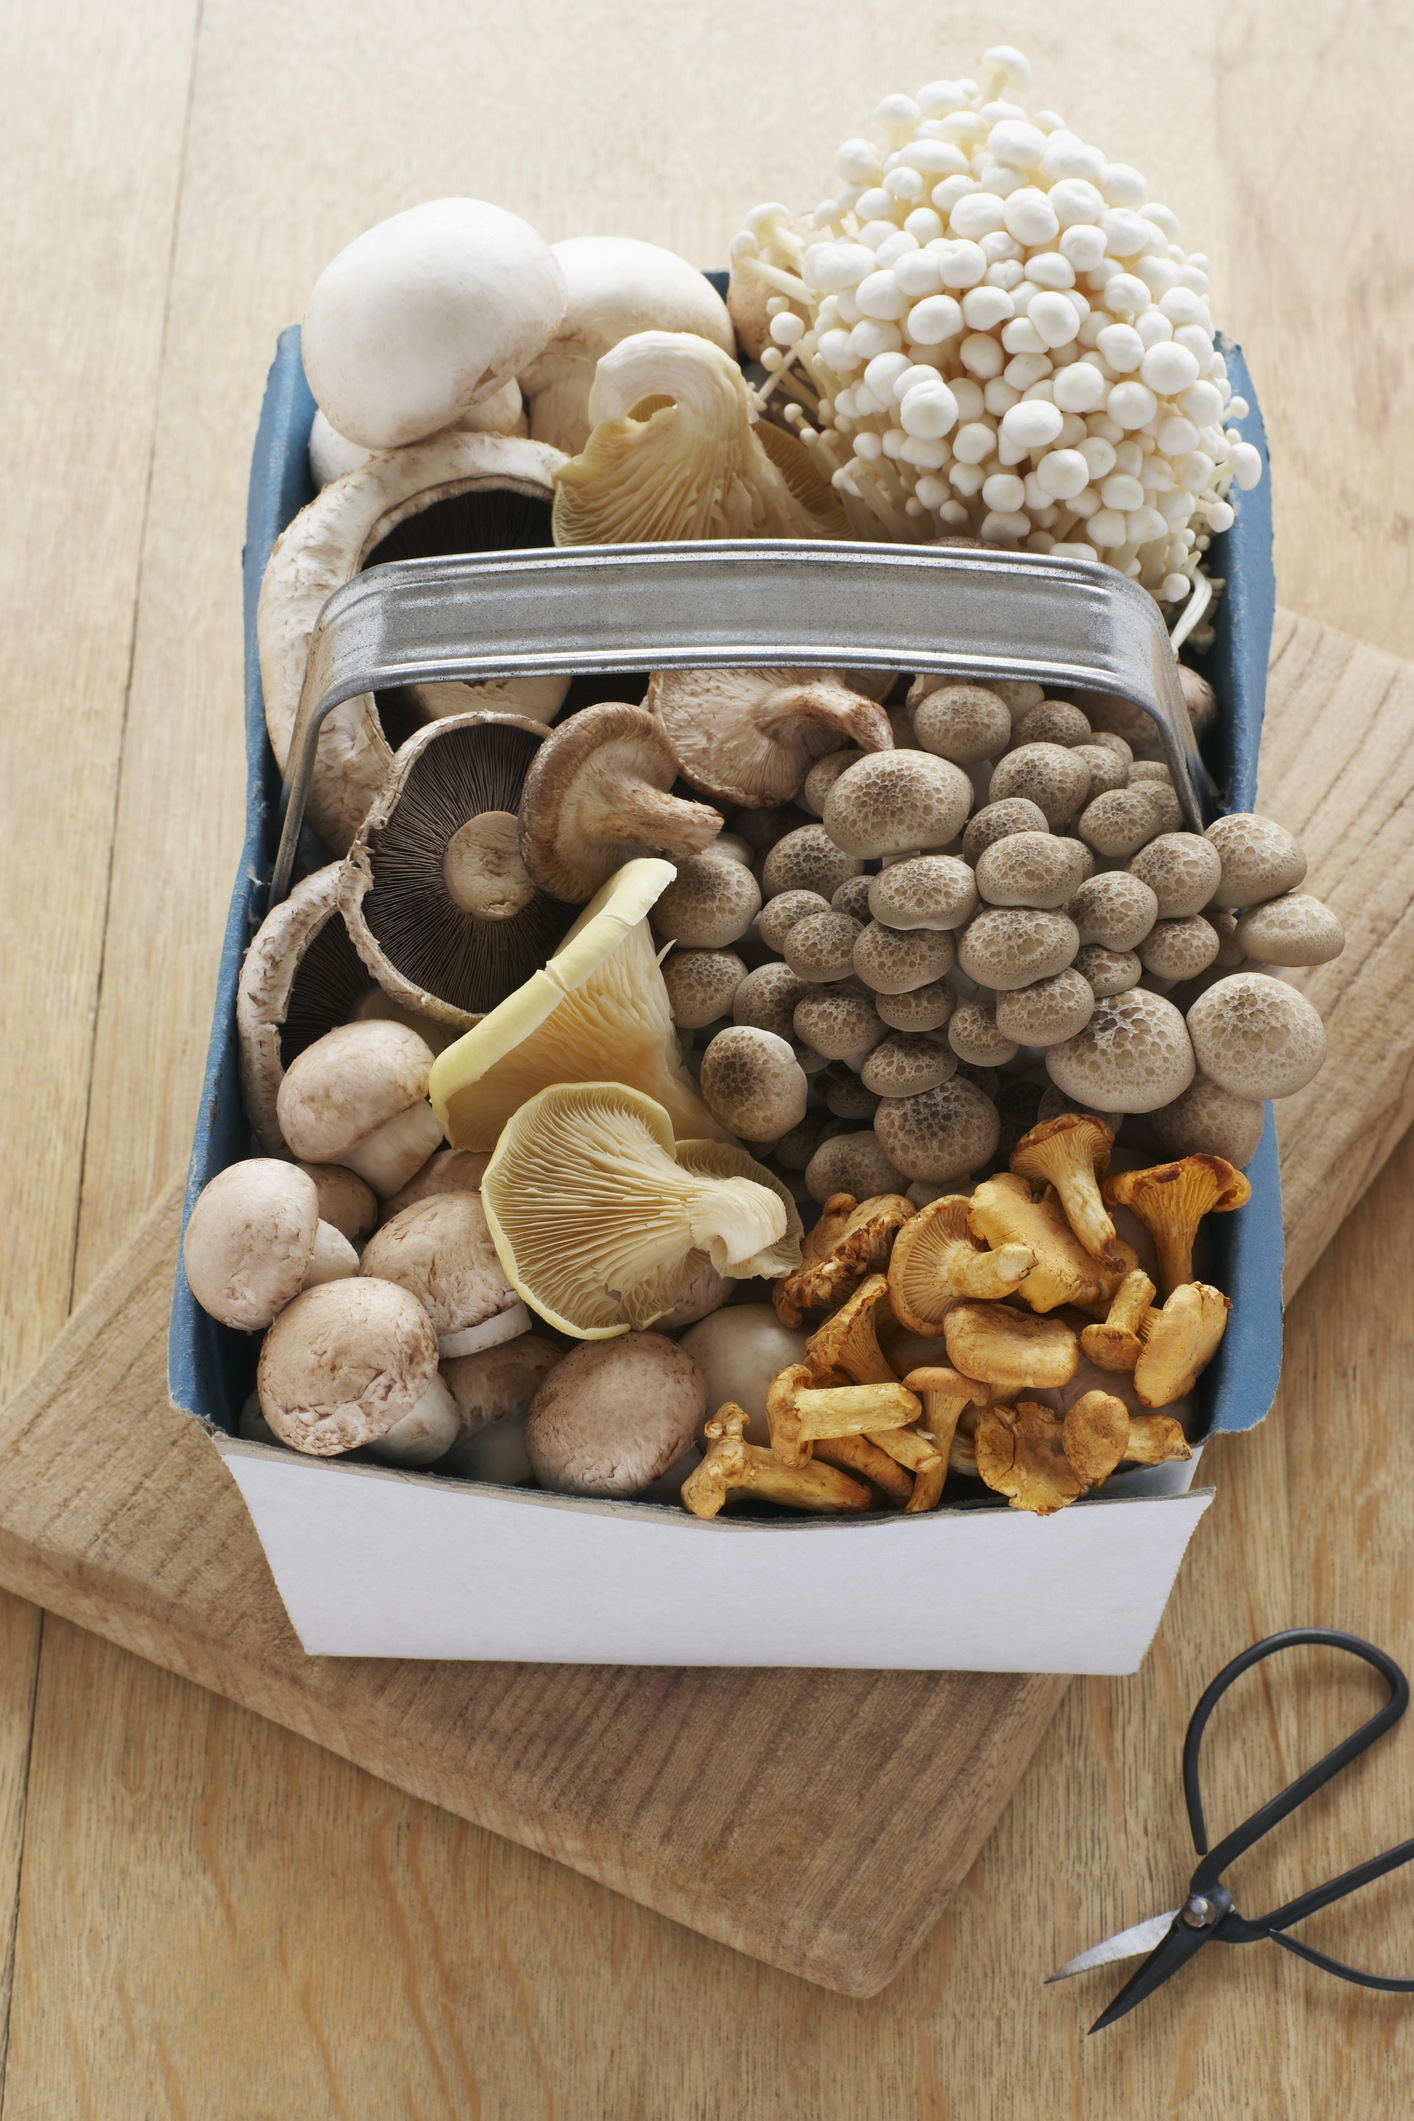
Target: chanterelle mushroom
(598,1219)
(734,1466)
(851,1240)
(750,737)
(936,1263)
(358,1096)
(421,317)
(254,1239)
(1072,1153)
(1003,1213)
(615,287)
(1008,1349)
(1171,1200)
(1180,1342)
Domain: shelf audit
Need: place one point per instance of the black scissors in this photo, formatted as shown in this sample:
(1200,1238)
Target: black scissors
(1208,1913)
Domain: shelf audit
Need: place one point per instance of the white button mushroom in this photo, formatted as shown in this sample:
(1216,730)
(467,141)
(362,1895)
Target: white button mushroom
(1256,1037)
(448,1171)
(422,317)
(358,1096)
(492,1392)
(441,1250)
(254,1239)
(614,1415)
(739,1352)
(347,1362)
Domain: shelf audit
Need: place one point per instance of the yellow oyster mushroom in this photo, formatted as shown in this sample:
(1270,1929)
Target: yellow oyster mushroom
(600,1219)
(598,1009)
(676,452)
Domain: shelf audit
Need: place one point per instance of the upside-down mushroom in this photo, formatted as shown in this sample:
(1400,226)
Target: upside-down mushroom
(945,1394)
(750,737)
(1179,1342)
(1072,1153)
(1171,1200)
(1003,1212)
(936,1262)
(852,1239)
(733,1466)
(798,1411)
(1116,1345)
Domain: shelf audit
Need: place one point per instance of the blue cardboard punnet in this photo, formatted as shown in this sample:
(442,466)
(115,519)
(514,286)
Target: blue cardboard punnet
(211,1368)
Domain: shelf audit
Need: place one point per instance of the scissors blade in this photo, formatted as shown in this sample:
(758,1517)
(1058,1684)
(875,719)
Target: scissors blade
(1125,1944)
(1169,1955)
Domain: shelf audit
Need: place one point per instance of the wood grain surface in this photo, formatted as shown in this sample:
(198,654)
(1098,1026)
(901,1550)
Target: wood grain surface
(216,1918)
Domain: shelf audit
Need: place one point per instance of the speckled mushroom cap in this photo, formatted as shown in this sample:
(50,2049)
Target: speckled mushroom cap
(1107,971)
(838,1022)
(822,777)
(1115,909)
(249,1240)
(701,984)
(964,723)
(895,960)
(1133,1056)
(931,891)
(441,1250)
(1256,1037)
(767,998)
(807,860)
(1210,1121)
(751,1083)
(1123,820)
(343,1363)
(1010,946)
(907,1062)
(780,914)
(1179,949)
(918,1008)
(1053,722)
(895,801)
(847,1096)
(821,947)
(852,897)
(1105,766)
(976,1037)
(852,1163)
(614,1415)
(711,902)
(1047,775)
(1260,859)
(1030,869)
(1294,930)
(944,1133)
(1048,1011)
(1182,870)
(1012,813)
(351,1081)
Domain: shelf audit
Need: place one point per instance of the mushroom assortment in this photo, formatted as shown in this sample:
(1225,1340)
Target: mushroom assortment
(594,1000)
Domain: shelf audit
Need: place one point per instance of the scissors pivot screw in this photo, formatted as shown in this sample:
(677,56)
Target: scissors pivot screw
(1198,1913)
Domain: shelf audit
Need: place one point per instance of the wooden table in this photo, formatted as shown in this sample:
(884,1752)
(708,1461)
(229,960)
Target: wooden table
(201,1915)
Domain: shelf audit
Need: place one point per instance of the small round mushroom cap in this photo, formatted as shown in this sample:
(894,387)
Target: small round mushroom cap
(1047,775)
(1107,971)
(931,891)
(1179,949)
(919,1008)
(852,1163)
(1123,820)
(1182,869)
(964,723)
(847,1096)
(1048,1011)
(895,801)
(422,317)
(838,1022)
(1053,722)
(1256,1037)
(762,828)
(1030,869)
(975,1036)
(1016,813)
(780,914)
(896,960)
(807,860)
(1106,768)
(1150,770)
(907,1062)
(348,1084)
(495,1385)
(1019,694)
(1115,909)
(711,902)
(345,1202)
(751,1083)
(1294,930)
(448,1171)
(343,1363)
(1260,860)
(249,1241)
(821,947)
(1210,1121)
(822,777)
(943,1133)
(441,1250)
(739,1353)
(767,999)
(852,897)
(1010,946)
(701,984)
(1133,1056)
(614,1415)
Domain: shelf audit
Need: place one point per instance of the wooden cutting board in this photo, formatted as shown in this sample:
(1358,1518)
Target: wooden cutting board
(811,1819)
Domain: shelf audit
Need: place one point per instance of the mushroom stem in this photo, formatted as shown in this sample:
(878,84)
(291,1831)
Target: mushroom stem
(732,1465)
(482,868)
(1071,1153)
(1116,1345)
(944,1393)
(858,1454)
(501,1326)
(425,1434)
(798,1413)
(332,1259)
(664,822)
(388,1157)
